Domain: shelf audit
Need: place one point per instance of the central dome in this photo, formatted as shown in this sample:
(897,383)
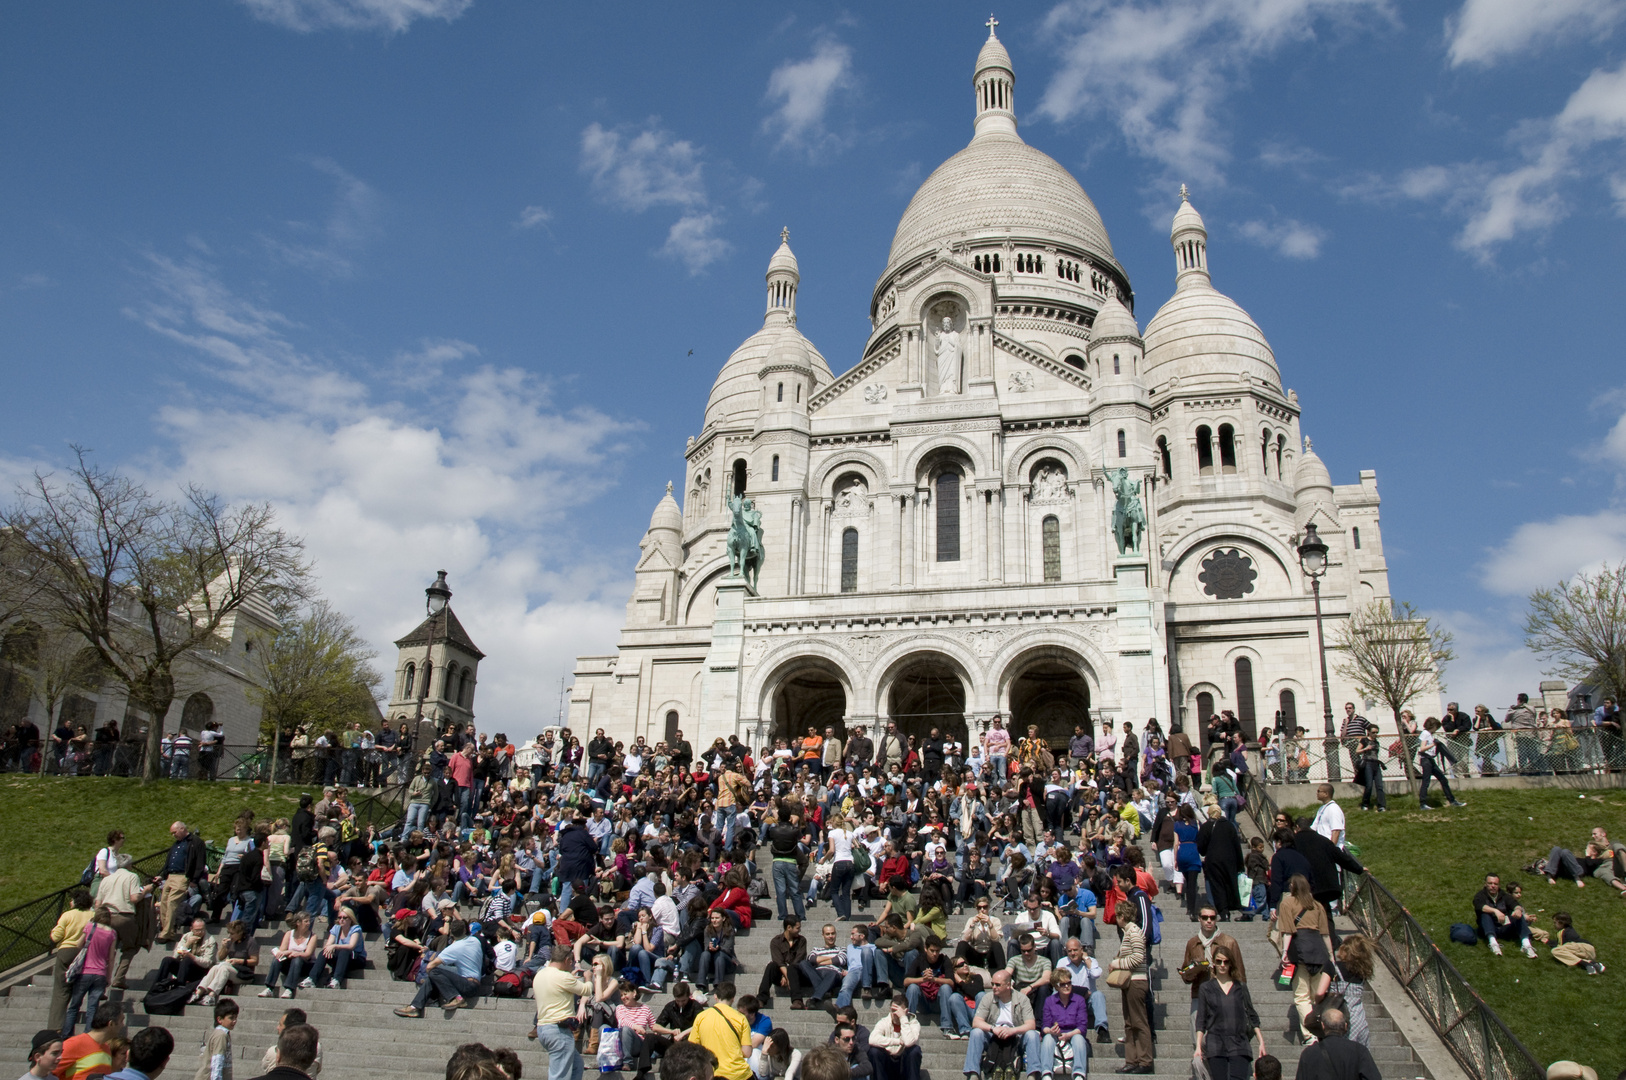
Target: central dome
(999,186)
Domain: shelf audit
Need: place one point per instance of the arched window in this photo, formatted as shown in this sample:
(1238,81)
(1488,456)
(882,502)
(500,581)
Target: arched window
(779,394)
(739,477)
(671,727)
(1164,458)
(1050,528)
(948,517)
(798,392)
(411,677)
(428,676)
(1244,697)
(1264,451)
(465,693)
(1205,451)
(1205,709)
(198,710)
(1356,534)
(1074,360)
(1227,447)
(1116,369)
(1123,445)
(1281,446)
(776,468)
(448,684)
(1288,718)
(849,560)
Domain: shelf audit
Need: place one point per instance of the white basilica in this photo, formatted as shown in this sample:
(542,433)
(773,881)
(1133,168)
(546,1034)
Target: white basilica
(937,519)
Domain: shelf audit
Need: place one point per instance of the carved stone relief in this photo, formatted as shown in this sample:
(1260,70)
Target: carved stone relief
(1049,486)
(864,647)
(852,501)
(875,393)
(1021,382)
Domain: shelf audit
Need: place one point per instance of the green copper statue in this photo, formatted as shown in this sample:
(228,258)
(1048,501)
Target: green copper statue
(1128,516)
(745,551)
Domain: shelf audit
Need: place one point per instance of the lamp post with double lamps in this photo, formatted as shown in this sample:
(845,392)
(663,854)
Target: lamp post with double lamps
(1313,559)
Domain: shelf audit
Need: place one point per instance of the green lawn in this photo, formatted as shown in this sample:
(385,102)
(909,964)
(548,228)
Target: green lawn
(54,825)
(1435,861)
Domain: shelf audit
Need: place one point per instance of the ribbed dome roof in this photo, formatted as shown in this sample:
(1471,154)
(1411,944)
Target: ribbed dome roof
(1311,473)
(993,55)
(667,515)
(1114,320)
(784,258)
(737,390)
(995,184)
(1199,321)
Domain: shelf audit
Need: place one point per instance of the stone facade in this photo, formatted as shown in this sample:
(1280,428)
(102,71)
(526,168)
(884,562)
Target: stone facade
(937,520)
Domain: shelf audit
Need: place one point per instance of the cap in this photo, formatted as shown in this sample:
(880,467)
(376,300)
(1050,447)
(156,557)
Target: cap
(46,1036)
(1558,1070)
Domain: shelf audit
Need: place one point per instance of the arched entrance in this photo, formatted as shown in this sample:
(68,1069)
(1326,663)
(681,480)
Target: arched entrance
(1049,692)
(811,694)
(927,692)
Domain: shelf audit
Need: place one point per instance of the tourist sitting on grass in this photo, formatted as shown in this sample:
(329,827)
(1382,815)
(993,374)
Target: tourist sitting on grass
(1573,950)
(1500,918)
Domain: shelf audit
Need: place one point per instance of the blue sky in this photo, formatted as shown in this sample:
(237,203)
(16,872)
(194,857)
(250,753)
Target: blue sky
(426,273)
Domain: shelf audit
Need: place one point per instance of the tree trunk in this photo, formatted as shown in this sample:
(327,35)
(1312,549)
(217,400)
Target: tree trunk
(156,695)
(276,742)
(1405,756)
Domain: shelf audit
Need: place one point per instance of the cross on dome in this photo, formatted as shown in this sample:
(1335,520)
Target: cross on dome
(1185,196)
(990,24)
(784,235)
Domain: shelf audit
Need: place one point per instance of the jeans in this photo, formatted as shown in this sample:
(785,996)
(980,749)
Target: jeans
(906,1066)
(996,765)
(715,967)
(445,983)
(417,816)
(86,992)
(787,883)
(249,905)
(1032,1050)
(1231,805)
(841,889)
(645,961)
(1372,777)
(1430,771)
(1237,1067)
(564,1063)
(1081,1053)
(465,807)
(1515,929)
(821,979)
(1561,862)
(952,1014)
(290,971)
(334,969)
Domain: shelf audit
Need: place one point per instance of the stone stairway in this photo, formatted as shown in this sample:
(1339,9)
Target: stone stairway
(362,1037)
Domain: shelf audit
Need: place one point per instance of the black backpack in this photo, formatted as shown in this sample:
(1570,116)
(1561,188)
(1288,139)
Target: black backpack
(168,997)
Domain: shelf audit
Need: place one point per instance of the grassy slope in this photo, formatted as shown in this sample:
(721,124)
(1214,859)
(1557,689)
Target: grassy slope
(53,826)
(1435,861)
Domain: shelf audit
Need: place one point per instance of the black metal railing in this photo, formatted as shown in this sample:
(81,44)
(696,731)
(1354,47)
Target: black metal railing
(25,930)
(311,765)
(1482,1044)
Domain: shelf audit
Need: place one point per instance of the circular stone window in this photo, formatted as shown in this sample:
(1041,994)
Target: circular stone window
(1227,574)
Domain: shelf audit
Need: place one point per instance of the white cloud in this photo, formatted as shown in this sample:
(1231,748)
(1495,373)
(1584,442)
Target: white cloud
(328,249)
(1289,238)
(391,471)
(393,16)
(638,170)
(803,90)
(1163,68)
(1502,203)
(1540,554)
(1485,31)
(1492,666)
(532,216)
(693,242)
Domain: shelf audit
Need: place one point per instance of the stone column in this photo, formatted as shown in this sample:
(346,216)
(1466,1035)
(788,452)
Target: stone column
(996,539)
(720,678)
(980,516)
(792,547)
(894,557)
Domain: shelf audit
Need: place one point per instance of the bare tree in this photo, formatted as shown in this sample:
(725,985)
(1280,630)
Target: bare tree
(316,672)
(145,581)
(65,664)
(1579,626)
(1393,654)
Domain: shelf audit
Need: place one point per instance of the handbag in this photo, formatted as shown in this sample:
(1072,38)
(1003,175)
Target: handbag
(1118,978)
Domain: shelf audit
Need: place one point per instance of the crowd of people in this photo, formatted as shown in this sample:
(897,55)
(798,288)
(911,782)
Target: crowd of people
(106,1048)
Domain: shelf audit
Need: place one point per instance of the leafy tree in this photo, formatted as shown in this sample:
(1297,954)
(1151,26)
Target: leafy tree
(315,672)
(1393,654)
(145,581)
(1579,626)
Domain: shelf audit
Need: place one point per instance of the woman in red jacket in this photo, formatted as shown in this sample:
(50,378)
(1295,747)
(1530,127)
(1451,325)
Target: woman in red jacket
(734,900)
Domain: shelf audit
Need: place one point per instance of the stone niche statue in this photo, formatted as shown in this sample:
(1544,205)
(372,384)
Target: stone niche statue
(1128,516)
(947,349)
(745,549)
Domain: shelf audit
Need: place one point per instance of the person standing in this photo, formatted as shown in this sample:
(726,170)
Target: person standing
(1431,759)
(996,749)
(724,1031)
(1329,820)
(1226,1019)
(187,862)
(66,938)
(1196,967)
(556,989)
(1132,958)
(1178,750)
(120,893)
(216,1053)
(1521,720)
(832,754)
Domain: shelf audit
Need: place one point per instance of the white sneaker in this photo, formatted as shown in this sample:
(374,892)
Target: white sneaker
(333,984)
(306,984)
(1495,947)
(268,992)
(1529,949)
(287,993)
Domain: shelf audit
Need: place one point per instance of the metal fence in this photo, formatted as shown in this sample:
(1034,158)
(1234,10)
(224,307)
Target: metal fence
(1479,1040)
(1520,752)
(374,768)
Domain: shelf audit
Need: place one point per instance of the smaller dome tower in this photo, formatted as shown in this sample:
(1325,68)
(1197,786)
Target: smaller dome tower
(783,278)
(1312,488)
(1190,239)
(995,80)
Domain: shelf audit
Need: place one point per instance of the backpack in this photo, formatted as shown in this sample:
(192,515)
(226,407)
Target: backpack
(1155,933)
(861,859)
(305,866)
(1463,934)
(90,871)
(168,997)
(508,985)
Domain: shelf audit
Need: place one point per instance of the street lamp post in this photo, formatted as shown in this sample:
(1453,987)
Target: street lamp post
(1313,558)
(436,597)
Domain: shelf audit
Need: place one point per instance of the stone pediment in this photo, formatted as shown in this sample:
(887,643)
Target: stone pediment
(1028,355)
(865,372)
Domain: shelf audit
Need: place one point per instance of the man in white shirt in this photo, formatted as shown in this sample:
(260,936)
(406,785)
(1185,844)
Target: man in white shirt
(666,914)
(1042,924)
(1329,820)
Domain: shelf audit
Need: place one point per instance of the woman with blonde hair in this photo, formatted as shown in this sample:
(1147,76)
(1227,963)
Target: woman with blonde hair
(1306,944)
(1346,980)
